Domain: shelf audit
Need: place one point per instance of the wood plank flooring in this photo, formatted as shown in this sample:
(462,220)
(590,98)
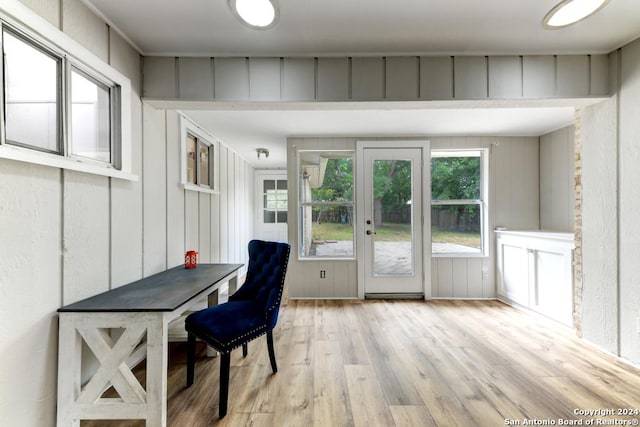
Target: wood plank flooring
(405,363)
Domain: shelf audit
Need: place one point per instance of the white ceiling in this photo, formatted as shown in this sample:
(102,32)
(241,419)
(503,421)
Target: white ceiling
(368,27)
(250,128)
(375,27)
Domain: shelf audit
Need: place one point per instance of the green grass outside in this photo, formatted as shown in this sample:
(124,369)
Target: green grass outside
(332,231)
(393,233)
(456,238)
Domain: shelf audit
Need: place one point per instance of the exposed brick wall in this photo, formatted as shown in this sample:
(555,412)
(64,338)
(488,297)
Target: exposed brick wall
(577,256)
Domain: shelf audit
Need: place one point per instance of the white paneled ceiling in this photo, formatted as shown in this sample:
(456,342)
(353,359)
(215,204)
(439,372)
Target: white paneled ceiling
(369,27)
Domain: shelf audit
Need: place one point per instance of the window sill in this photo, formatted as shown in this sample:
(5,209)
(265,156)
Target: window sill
(458,255)
(193,187)
(52,160)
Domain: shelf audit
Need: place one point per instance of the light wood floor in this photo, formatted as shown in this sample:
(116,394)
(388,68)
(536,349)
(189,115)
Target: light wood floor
(405,363)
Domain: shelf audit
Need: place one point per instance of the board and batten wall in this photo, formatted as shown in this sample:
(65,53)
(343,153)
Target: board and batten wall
(218,226)
(531,184)
(303,276)
(513,203)
(557,180)
(393,78)
(68,235)
(65,236)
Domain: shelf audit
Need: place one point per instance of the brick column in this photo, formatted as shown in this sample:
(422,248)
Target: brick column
(577,229)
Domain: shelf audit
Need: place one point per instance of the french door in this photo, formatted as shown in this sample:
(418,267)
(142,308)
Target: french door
(391,228)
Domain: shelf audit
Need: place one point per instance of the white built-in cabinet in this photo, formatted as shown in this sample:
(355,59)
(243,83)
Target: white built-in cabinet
(535,270)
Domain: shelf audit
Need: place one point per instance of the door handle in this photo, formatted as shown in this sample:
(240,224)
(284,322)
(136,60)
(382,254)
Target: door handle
(369,232)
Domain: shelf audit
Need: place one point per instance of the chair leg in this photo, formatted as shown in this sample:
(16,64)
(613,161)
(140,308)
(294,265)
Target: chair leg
(272,355)
(191,358)
(225,362)
(245,350)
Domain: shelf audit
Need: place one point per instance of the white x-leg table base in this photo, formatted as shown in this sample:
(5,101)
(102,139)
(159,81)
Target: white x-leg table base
(142,335)
(101,339)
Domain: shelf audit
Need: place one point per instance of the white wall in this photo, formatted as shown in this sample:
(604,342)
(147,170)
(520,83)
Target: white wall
(600,225)
(557,181)
(67,235)
(610,132)
(218,226)
(58,234)
(629,201)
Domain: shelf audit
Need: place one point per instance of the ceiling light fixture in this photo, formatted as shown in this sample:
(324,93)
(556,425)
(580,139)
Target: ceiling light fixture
(569,12)
(262,151)
(257,14)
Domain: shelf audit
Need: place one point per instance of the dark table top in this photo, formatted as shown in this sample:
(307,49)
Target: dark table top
(164,291)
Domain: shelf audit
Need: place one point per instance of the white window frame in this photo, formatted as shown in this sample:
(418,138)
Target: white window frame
(46,51)
(114,95)
(301,204)
(276,210)
(482,202)
(188,127)
(34,29)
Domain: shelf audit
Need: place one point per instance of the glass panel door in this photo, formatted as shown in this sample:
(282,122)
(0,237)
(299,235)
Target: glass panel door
(393,221)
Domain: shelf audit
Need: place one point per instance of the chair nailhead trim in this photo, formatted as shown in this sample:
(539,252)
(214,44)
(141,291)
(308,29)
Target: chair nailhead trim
(269,309)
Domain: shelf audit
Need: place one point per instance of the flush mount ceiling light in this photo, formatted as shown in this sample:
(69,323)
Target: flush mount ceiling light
(569,12)
(257,14)
(263,151)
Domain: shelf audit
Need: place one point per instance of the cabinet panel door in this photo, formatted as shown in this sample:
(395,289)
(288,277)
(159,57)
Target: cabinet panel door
(514,283)
(551,290)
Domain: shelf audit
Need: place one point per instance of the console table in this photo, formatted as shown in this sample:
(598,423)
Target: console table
(121,327)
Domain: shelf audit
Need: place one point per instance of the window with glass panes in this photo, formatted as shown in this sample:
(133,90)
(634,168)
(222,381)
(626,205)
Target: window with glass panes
(458,194)
(40,83)
(326,204)
(275,204)
(199,156)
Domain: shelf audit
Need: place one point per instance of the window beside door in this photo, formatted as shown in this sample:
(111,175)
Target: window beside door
(458,202)
(326,204)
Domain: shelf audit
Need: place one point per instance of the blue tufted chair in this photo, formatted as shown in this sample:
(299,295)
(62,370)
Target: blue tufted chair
(251,311)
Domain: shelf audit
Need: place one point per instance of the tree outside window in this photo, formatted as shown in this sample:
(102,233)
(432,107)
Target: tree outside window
(326,204)
(457,202)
